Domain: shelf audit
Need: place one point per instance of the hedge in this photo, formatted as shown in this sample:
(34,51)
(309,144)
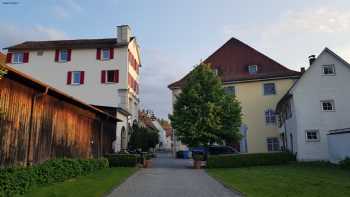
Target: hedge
(243,160)
(123,160)
(14,181)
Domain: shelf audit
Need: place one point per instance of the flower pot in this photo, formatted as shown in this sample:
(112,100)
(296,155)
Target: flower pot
(197,164)
(147,163)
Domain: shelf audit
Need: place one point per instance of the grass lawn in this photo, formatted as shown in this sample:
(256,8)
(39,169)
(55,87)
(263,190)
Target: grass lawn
(286,180)
(93,185)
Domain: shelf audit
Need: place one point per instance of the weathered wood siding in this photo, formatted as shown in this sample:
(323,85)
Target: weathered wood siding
(35,130)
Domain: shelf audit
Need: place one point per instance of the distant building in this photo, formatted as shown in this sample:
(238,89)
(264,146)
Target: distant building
(258,83)
(101,72)
(314,113)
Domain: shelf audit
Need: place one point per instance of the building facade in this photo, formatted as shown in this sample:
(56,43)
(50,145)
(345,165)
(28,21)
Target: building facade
(316,108)
(101,72)
(258,83)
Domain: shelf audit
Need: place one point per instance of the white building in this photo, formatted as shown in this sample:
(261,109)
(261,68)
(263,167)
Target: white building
(101,72)
(314,106)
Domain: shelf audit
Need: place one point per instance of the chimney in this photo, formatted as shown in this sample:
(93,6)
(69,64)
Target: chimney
(123,34)
(312,58)
(302,70)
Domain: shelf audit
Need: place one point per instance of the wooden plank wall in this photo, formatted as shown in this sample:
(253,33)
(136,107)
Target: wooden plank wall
(59,129)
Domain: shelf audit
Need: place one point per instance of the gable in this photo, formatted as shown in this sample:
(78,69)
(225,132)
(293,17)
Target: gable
(232,61)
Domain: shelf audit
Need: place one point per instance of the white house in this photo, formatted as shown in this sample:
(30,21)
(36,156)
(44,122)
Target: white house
(101,72)
(315,105)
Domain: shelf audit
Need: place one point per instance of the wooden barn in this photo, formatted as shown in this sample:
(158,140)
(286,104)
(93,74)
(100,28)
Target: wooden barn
(38,122)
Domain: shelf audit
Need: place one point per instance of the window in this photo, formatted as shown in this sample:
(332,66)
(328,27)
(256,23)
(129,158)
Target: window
(18,58)
(252,69)
(328,105)
(216,71)
(110,76)
(76,77)
(273,144)
(312,135)
(40,53)
(230,90)
(63,55)
(328,69)
(270,116)
(269,89)
(105,54)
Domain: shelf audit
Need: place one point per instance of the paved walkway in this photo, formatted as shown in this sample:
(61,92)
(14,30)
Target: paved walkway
(171,178)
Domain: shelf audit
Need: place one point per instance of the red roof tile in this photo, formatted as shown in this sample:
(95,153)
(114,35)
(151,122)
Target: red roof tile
(232,61)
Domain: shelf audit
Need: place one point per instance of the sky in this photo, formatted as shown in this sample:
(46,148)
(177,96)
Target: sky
(174,36)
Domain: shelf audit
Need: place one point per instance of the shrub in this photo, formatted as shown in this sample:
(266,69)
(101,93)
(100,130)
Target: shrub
(345,164)
(122,160)
(242,160)
(15,181)
(198,157)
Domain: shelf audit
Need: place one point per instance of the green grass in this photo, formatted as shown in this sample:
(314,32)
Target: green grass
(93,185)
(286,180)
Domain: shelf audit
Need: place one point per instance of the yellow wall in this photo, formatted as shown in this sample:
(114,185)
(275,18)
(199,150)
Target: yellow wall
(254,103)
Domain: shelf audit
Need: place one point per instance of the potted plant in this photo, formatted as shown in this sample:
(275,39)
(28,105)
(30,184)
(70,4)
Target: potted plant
(147,162)
(197,161)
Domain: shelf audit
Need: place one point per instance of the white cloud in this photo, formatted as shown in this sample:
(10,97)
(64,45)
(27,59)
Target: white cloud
(296,34)
(66,8)
(11,34)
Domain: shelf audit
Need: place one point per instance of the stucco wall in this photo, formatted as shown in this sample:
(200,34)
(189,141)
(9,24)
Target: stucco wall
(254,104)
(309,91)
(44,68)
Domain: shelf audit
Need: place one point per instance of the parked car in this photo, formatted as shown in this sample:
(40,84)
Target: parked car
(213,150)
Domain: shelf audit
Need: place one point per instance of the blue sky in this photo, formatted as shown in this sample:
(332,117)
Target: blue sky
(176,35)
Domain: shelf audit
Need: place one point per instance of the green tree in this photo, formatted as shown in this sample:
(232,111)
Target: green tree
(143,138)
(203,113)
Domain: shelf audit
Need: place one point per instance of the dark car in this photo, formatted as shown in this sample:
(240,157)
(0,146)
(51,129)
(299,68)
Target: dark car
(213,150)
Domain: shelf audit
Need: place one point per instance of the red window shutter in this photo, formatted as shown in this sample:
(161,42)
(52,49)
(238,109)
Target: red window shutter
(82,73)
(25,57)
(69,55)
(111,53)
(116,76)
(98,54)
(103,76)
(57,53)
(9,58)
(69,77)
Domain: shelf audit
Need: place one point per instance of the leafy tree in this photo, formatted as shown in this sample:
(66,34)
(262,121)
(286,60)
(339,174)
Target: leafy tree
(143,138)
(203,113)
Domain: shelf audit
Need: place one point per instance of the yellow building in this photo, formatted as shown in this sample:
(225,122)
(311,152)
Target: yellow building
(258,82)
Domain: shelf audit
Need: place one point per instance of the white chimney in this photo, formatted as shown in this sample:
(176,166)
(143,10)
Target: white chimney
(123,34)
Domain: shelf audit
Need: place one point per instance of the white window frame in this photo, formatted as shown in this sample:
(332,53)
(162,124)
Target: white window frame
(274,85)
(18,58)
(312,140)
(327,66)
(270,117)
(274,140)
(60,55)
(73,77)
(331,101)
(103,54)
(253,69)
(106,77)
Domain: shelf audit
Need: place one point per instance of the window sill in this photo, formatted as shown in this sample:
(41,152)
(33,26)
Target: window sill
(328,74)
(75,84)
(312,140)
(328,110)
(17,63)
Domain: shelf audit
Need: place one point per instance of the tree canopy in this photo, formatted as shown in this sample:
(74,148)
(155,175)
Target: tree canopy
(203,113)
(143,138)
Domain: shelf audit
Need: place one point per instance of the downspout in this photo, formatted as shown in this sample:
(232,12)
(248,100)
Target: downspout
(34,98)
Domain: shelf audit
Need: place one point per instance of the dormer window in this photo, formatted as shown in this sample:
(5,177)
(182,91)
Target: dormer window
(253,69)
(328,69)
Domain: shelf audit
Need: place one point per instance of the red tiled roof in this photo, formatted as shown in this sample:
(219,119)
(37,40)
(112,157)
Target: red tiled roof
(56,44)
(232,61)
